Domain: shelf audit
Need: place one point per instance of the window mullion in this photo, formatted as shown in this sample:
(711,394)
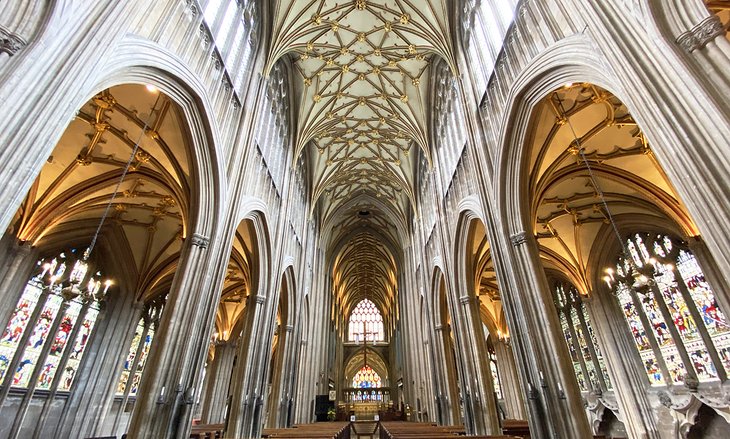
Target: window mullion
(678,342)
(68,349)
(56,323)
(576,346)
(650,336)
(135,363)
(700,322)
(591,347)
(22,344)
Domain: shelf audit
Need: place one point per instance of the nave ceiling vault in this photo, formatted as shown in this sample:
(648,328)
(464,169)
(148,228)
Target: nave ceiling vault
(361,81)
(362,77)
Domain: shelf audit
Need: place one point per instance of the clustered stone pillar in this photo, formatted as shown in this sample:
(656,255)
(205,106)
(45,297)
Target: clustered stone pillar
(480,397)
(16,266)
(449,391)
(246,401)
(217,397)
(554,398)
(164,404)
(511,392)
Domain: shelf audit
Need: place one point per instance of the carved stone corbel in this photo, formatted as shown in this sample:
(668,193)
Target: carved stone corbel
(10,42)
(199,240)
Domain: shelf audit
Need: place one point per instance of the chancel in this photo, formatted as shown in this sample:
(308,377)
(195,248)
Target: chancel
(345,218)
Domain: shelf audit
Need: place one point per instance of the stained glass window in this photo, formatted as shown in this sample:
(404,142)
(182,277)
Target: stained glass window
(82,338)
(43,325)
(139,348)
(588,362)
(366,322)
(677,325)
(495,373)
(366,378)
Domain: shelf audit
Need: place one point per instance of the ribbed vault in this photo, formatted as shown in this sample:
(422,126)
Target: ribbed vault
(567,210)
(362,78)
(150,211)
(364,268)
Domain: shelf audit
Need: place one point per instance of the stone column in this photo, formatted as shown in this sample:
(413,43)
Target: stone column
(555,401)
(478,376)
(217,394)
(92,393)
(246,401)
(16,269)
(285,377)
(167,391)
(708,46)
(448,393)
(511,389)
(623,363)
(276,378)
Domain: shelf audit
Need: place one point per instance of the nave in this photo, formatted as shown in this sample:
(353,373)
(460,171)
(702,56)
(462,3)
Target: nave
(347,218)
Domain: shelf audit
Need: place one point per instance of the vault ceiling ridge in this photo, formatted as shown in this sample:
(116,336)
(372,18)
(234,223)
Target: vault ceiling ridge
(392,215)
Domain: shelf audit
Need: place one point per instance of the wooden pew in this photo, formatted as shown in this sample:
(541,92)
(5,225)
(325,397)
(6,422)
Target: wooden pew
(207,431)
(516,427)
(321,430)
(422,430)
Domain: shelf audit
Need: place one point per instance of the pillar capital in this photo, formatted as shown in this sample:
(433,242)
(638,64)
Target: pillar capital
(10,42)
(199,240)
(518,238)
(701,34)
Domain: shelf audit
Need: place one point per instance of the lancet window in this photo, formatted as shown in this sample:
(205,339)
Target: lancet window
(48,332)
(680,331)
(139,349)
(495,373)
(366,378)
(588,362)
(366,323)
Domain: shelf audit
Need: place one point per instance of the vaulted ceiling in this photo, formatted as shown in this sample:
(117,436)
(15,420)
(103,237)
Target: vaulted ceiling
(567,208)
(150,212)
(362,77)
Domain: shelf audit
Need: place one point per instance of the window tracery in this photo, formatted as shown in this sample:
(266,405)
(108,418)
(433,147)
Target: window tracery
(24,342)
(588,362)
(366,378)
(676,323)
(366,323)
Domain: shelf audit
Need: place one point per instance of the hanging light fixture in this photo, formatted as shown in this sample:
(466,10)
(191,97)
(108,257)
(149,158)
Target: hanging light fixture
(79,281)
